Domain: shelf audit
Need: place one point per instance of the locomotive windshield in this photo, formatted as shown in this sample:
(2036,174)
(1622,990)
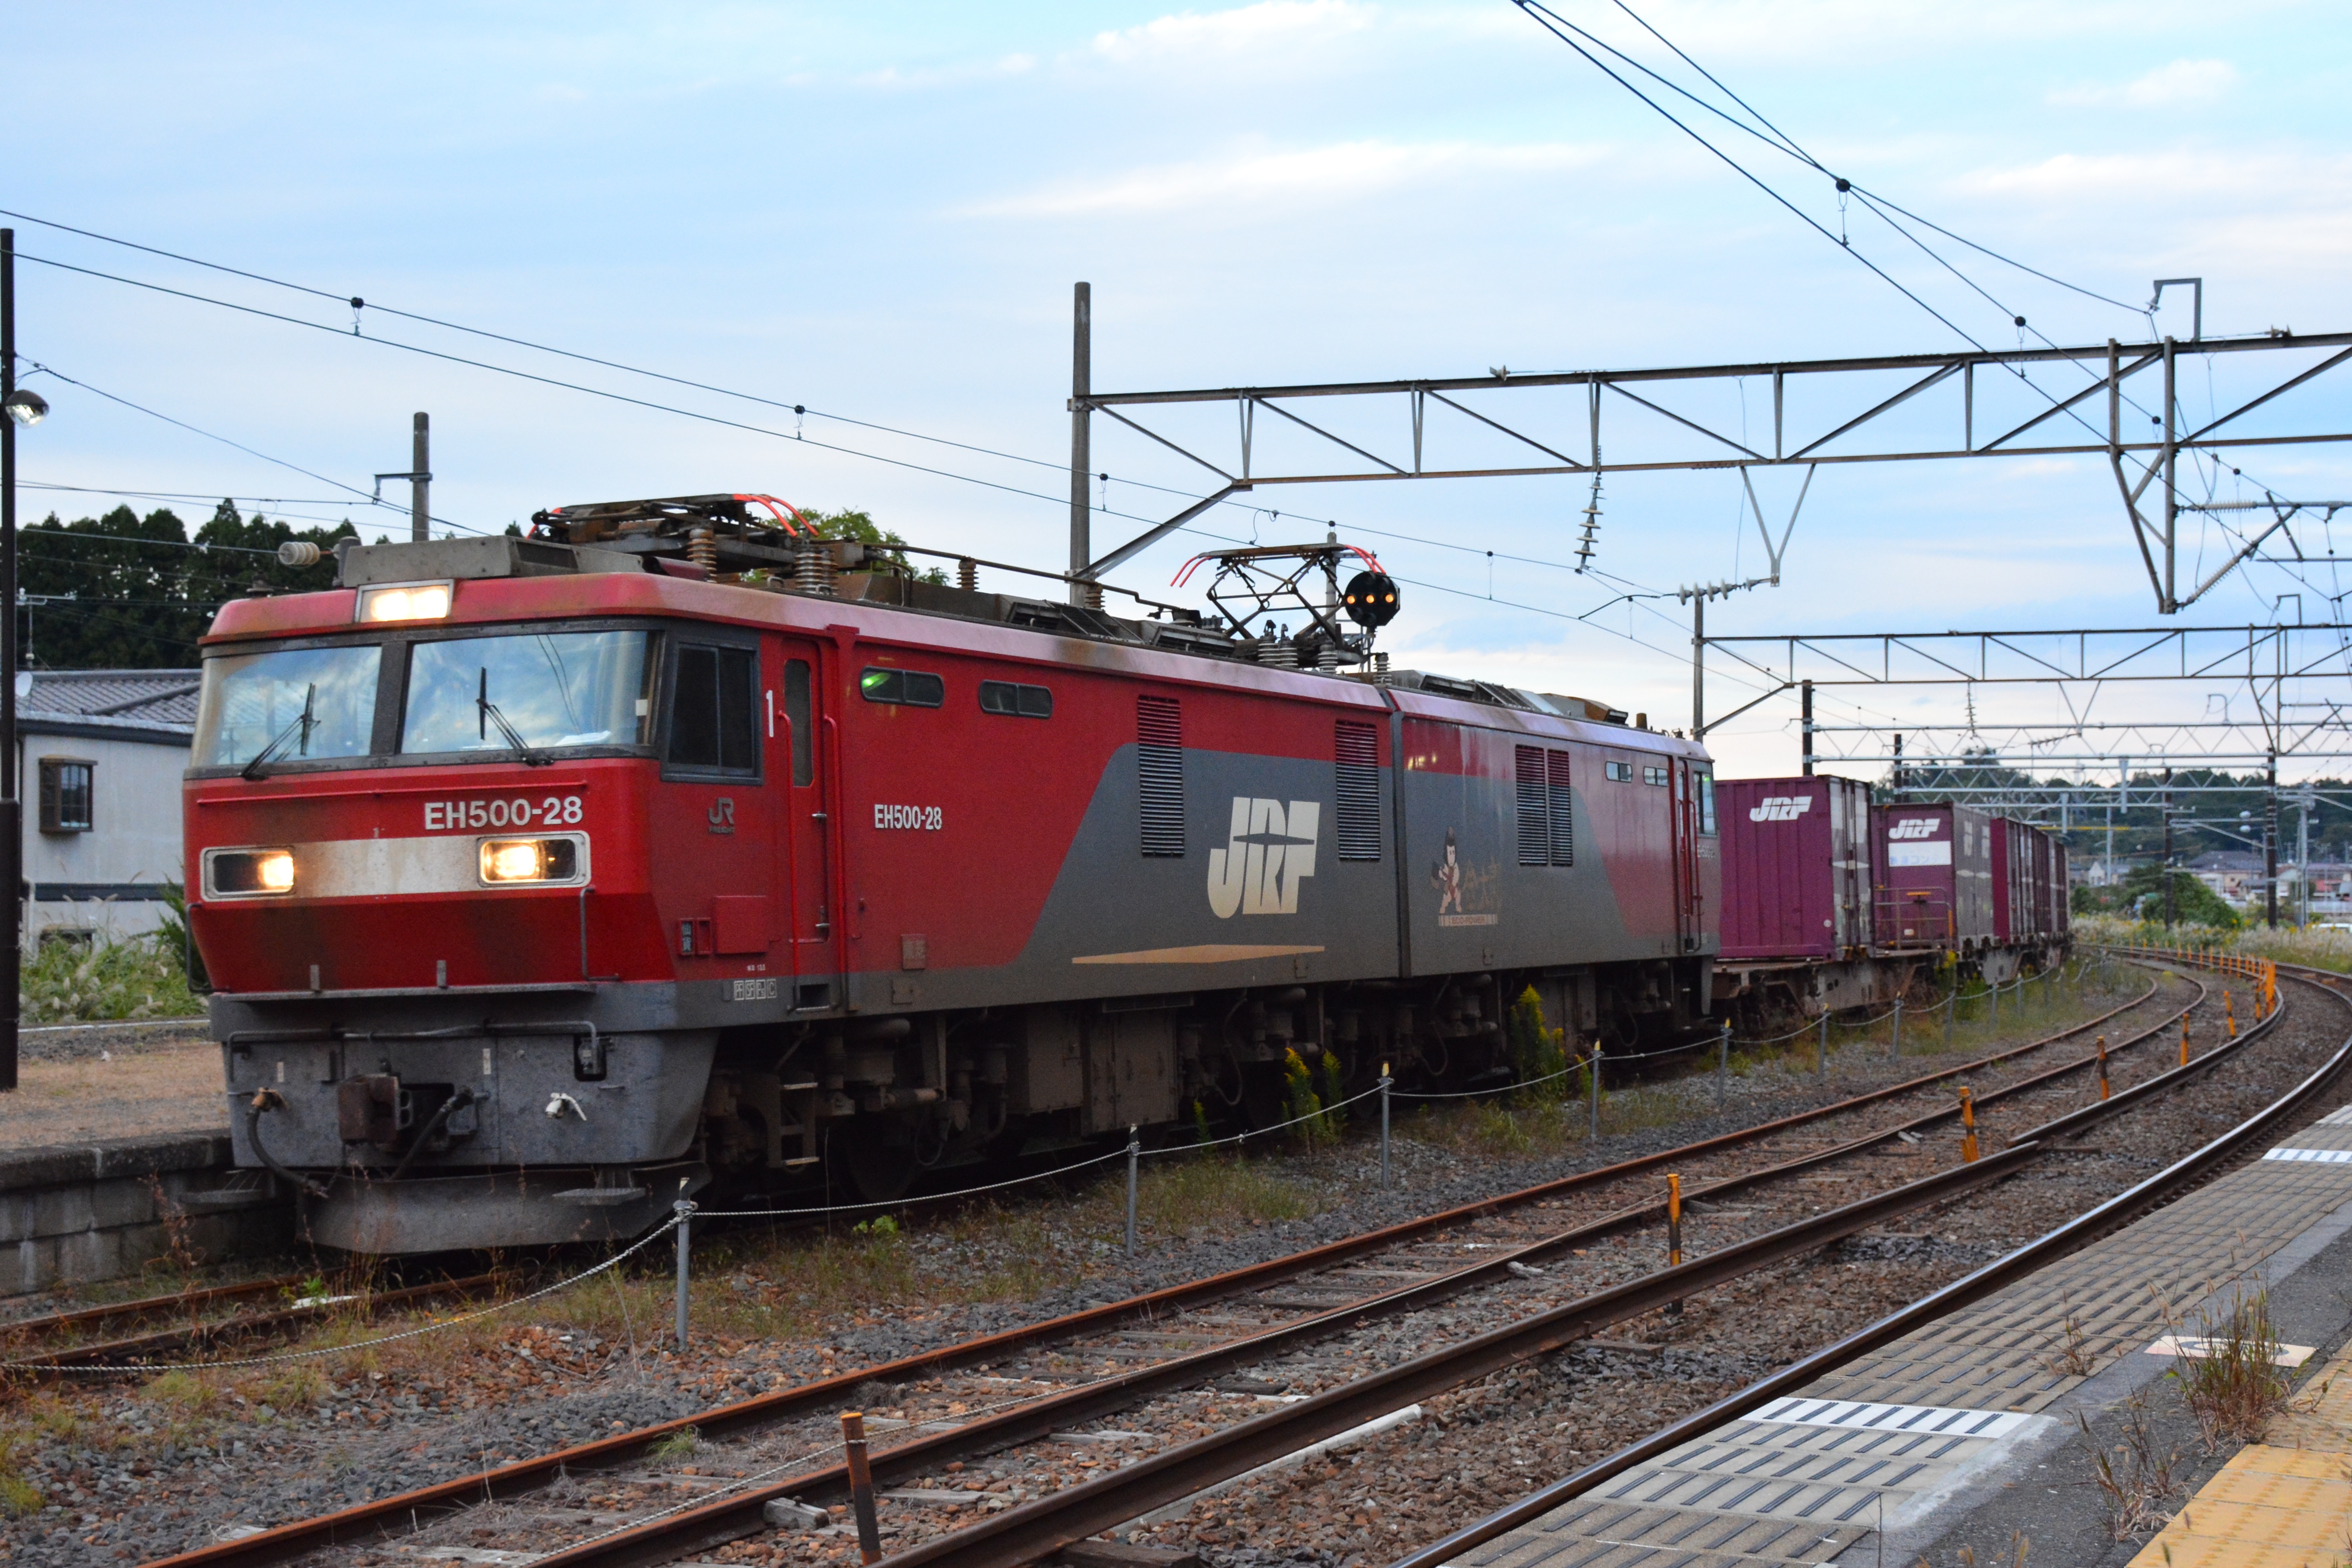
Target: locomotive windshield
(293,705)
(545,689)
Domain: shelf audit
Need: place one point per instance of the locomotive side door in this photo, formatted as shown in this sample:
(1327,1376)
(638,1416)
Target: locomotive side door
(1687,915)
(799,748)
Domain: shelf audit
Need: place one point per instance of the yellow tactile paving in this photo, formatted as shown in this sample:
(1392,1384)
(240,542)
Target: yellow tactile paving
(2285,1503)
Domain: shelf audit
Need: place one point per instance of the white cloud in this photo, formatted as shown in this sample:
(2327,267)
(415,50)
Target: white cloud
(1270,23)
(1344,169)
(2167,87)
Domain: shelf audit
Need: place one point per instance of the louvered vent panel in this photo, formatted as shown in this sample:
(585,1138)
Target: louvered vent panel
(1535,815)
(1358,749)
(1563,816)
(1160,775)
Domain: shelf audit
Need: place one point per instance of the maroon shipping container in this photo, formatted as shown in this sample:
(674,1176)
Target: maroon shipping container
(2044,887)
(2062,891)
(1934,877)
(1796,867)
(2008,896)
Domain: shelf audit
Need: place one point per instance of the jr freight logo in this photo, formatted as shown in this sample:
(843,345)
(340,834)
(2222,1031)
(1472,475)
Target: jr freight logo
(1912,828)
(1268,852)
(1781,808)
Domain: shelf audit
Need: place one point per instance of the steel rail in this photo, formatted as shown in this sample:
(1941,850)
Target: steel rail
(1037,1528)
(2084,1229)
(165,1340)
(368,1519)
(148,1306)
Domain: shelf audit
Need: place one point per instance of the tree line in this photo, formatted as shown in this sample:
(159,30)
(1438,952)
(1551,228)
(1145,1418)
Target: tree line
(126,592)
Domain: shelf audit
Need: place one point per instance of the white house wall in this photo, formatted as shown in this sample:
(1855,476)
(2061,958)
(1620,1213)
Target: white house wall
(134,841)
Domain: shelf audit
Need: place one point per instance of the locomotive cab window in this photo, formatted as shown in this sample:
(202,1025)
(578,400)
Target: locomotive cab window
(902,688)
(1620,773)
(712,724)
(544,690)
(1654,776)
(796,714)
(1004,698)
(66,795)
(1706,781)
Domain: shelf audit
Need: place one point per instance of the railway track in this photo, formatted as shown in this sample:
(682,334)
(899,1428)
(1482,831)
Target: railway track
(58,1343)
(1058,1375)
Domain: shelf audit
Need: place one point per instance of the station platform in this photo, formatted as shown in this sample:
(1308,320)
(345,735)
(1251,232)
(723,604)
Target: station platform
(1979,1433)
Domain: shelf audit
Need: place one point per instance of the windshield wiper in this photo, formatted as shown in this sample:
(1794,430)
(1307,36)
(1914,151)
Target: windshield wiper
(302,722)
(487,711)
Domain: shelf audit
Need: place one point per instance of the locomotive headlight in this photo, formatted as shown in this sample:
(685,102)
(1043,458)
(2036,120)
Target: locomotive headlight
(507,860)
(235,873)
(404,601)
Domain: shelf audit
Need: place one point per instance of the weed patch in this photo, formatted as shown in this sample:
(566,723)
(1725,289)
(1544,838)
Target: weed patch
(132,977)
(2237,1385)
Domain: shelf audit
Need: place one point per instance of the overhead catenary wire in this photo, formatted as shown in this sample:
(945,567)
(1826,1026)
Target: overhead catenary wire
(1773,136)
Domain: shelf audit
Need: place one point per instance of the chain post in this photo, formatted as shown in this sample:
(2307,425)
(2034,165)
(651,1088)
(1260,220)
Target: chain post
(685,1211)
(1596,1086)
(1723,1066)
(1134,1150)
(1386,1083)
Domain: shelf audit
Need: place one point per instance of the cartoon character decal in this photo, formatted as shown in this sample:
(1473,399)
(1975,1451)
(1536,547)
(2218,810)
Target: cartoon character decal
(1446,877)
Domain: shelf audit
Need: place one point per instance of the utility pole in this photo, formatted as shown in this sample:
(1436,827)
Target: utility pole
(1699,669)
(1806,692)
(2303,857)
(420,479)
(1898,770)
(1081,452)
(2165,799)
(2270,847)
(12,810)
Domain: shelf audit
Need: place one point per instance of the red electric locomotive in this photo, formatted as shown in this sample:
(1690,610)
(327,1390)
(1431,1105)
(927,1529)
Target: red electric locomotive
(544,881)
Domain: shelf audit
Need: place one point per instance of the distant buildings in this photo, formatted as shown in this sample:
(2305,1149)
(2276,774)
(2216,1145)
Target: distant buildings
(100,754)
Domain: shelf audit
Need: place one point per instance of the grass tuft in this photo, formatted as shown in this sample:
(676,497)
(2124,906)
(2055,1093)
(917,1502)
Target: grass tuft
(682,1444)
(108,978)
(2237,1386)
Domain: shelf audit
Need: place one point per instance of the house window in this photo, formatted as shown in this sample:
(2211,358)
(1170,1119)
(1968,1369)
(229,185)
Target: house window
(65,795)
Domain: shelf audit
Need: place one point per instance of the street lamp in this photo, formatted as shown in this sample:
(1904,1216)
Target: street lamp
(26,407)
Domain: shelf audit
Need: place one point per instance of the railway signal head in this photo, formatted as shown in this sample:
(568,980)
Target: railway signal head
(1371,599)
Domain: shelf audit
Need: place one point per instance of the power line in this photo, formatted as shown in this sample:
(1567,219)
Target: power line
(699,385)
(50,371)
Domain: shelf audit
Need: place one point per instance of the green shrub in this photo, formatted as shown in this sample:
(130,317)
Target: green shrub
(106,978)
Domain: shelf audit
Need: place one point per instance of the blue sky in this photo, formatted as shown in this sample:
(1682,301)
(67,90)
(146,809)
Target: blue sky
(879,212)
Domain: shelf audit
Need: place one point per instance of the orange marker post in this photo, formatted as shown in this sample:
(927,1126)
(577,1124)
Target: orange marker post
(1673,1221)
(1674,1233)
(2103,1067)
(861,1487)
(2184,1040)
(2230,1013)
(1967,1125)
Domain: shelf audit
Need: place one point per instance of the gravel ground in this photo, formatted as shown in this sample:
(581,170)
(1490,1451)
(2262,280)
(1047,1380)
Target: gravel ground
(125,1473)
(112,1083)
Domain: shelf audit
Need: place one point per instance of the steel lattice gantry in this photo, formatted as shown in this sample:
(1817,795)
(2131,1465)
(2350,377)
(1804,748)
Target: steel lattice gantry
(1859,410)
